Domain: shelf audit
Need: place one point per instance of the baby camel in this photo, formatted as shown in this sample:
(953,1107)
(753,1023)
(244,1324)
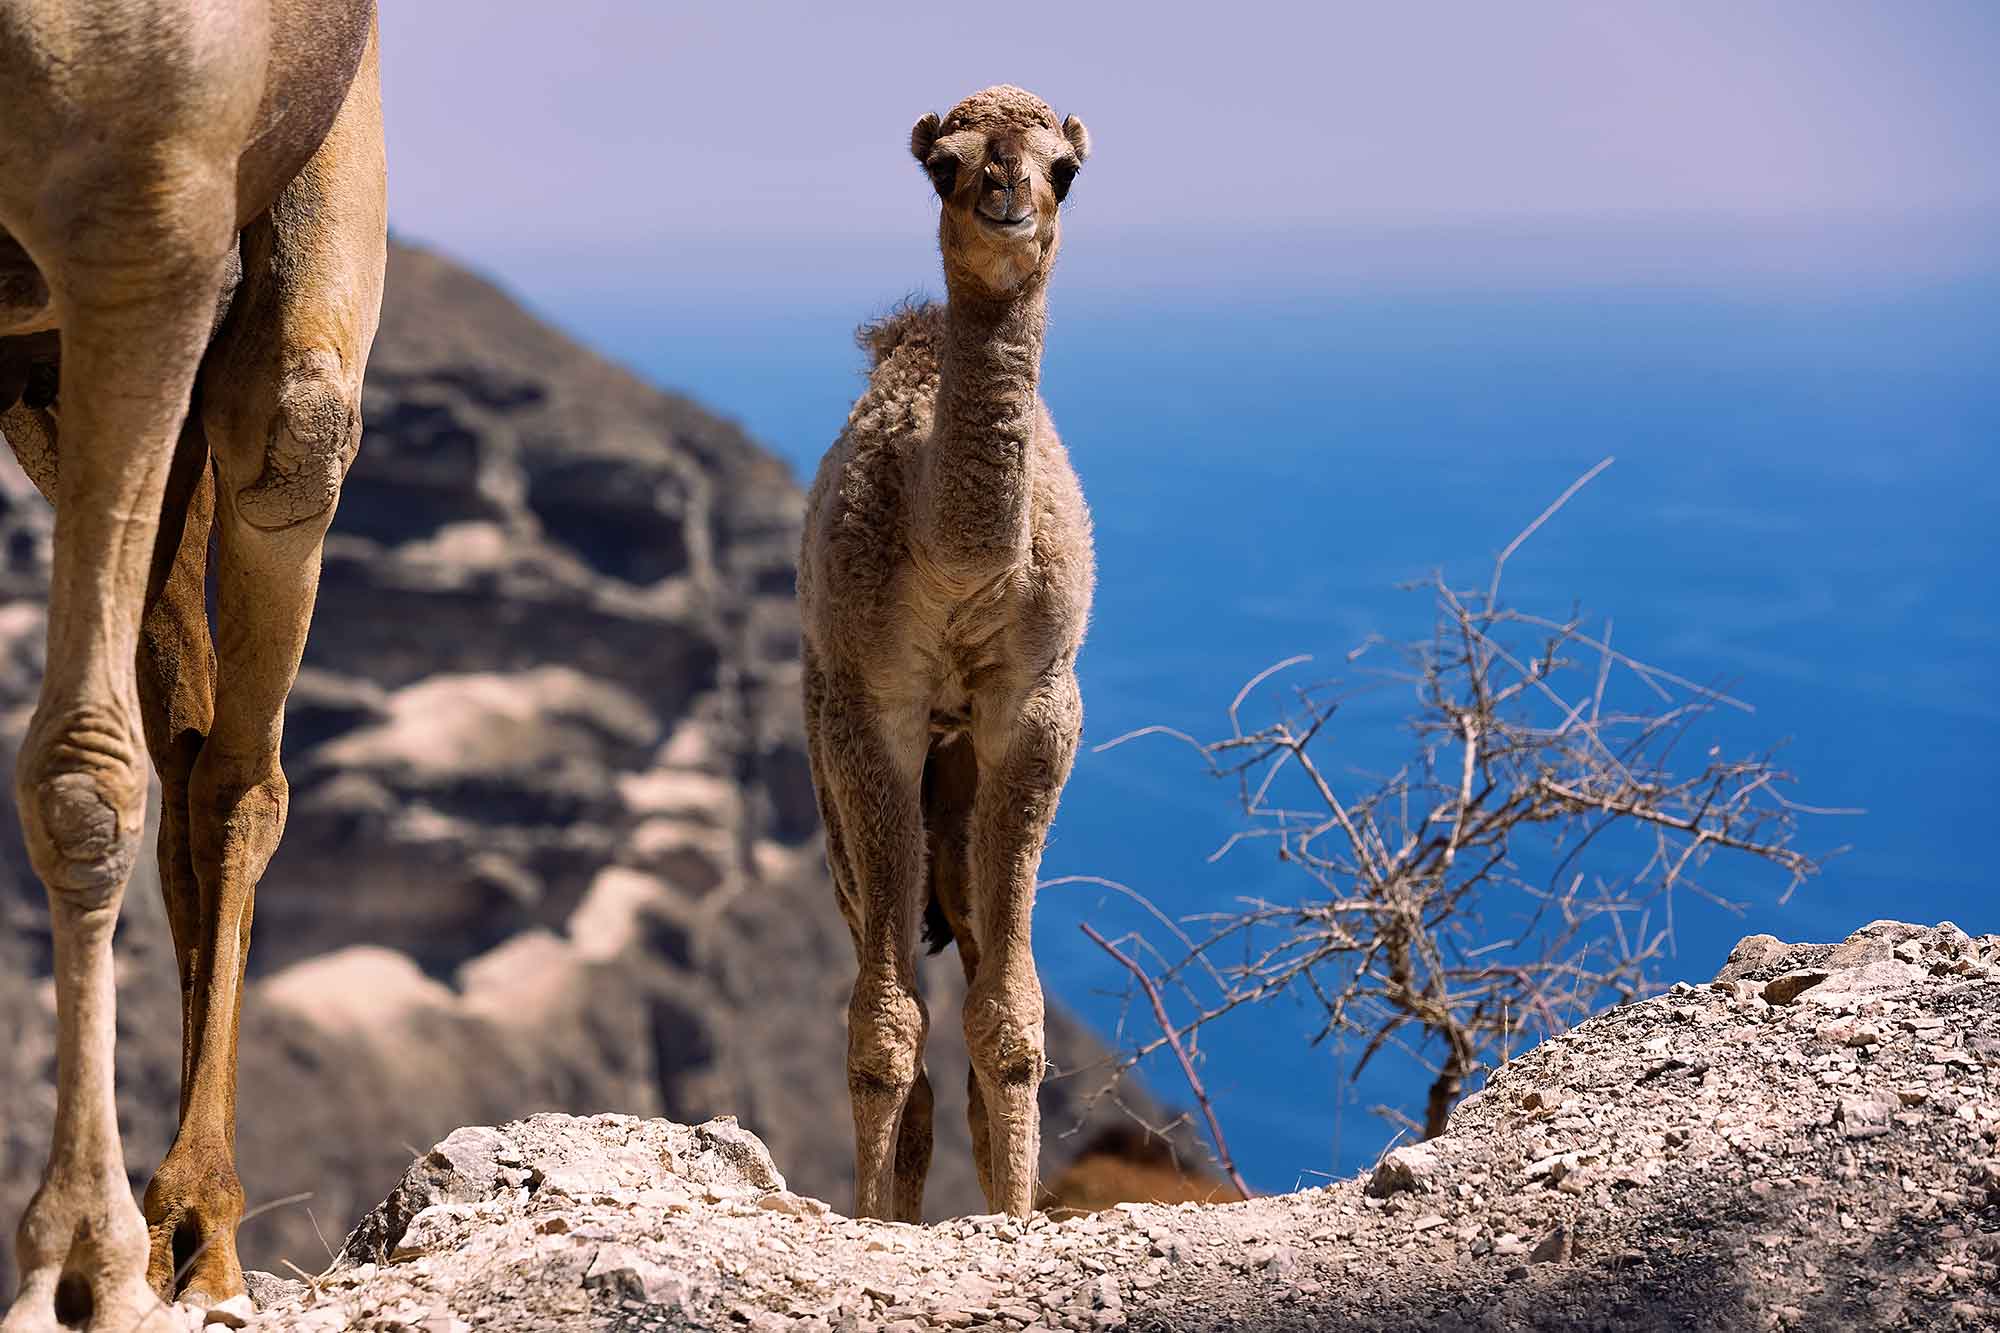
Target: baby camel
(944,583)
(192,238)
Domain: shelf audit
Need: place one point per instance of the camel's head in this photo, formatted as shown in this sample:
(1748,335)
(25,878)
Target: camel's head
(1003,164)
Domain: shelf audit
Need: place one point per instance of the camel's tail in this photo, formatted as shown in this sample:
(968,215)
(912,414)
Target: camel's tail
(937,926)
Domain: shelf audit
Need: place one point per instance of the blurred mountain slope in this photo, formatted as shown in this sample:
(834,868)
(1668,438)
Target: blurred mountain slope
(552,842)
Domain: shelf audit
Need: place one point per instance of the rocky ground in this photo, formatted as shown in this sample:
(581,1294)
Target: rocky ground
(552,842)
(1806,1143)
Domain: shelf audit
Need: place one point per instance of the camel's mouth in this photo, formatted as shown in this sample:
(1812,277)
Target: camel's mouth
(1015,229)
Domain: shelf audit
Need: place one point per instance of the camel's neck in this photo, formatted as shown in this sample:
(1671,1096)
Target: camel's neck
(976,472)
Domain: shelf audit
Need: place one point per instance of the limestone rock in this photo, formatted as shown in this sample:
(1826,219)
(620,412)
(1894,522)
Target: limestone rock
(1413,1167)
(557,1156)
(1788,987)
(620,1274)
(1752,953)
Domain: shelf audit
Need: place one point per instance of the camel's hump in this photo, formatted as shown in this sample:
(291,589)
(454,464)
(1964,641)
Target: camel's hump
(918,323)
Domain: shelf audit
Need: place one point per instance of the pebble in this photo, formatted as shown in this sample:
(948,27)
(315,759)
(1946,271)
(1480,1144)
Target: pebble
(1553,1248)
(236,1312)
(1864,1117)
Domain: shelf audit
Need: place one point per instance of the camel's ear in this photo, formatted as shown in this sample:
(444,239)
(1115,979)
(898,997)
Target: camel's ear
(939,164)
(1079,138)
(923,134)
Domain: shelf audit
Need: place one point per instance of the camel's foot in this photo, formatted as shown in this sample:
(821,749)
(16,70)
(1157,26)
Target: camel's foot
(192,1263)
(191,1218)
(83,1265)
(54,1301)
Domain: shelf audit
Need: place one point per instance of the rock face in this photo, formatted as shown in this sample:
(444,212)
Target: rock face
(552,842)
(1694,1162)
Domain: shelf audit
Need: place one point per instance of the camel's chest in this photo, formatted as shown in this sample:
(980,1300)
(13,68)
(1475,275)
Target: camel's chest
(959,642)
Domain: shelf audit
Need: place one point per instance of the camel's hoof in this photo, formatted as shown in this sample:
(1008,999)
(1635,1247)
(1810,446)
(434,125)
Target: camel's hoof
(211,1277)
(192,1263)
(51,1301)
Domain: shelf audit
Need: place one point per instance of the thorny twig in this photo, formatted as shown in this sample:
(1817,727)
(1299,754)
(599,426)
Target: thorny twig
(1227,1162)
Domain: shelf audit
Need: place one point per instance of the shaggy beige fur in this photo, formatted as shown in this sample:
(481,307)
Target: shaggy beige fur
(192,194)
(944,583)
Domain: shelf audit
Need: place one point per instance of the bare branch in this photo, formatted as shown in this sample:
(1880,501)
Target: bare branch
(1521,870)
(1167,1030)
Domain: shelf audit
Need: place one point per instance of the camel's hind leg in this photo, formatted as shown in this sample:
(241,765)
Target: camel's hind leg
(176,670)
(136,307)
(951,785)
(281,408)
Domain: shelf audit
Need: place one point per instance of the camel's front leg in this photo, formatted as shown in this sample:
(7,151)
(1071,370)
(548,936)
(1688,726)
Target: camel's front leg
(825,716)
(1025,750)
(136,308)
(870,772)
(281,408)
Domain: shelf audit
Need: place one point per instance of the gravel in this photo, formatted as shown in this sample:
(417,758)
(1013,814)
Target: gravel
(1763,1152)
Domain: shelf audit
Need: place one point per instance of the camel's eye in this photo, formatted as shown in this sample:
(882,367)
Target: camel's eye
(943,169)
(1061,175)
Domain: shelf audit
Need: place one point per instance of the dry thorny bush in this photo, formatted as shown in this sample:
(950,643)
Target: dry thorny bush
(1515,875)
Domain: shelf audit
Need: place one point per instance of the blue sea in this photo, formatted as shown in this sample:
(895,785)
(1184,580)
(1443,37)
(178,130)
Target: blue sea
(1804,510)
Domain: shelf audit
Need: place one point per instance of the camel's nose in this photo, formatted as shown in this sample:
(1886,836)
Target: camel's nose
(1003,174)
(1004,178)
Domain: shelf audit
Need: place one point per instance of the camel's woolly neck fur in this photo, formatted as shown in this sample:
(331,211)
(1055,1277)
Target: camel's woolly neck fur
(974,478)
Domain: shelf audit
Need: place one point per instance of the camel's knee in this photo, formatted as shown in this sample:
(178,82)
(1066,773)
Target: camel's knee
(237,809)
(885,1036)
(1046,736)
(1004,1032)
(306,445)
(81,791)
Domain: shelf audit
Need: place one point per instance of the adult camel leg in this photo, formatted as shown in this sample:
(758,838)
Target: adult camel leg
(176,674)
(952,783)
(1024,759)
(872,763)
(281,407)
(176,671)
(136,306)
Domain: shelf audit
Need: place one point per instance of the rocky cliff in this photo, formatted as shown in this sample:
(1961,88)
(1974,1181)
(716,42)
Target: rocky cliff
(1807,1143)
(552,841)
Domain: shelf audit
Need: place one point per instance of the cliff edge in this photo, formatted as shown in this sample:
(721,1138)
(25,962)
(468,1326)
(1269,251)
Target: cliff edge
(1806,1143)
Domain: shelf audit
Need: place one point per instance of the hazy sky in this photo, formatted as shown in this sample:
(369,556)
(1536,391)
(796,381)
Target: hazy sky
(598,134)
